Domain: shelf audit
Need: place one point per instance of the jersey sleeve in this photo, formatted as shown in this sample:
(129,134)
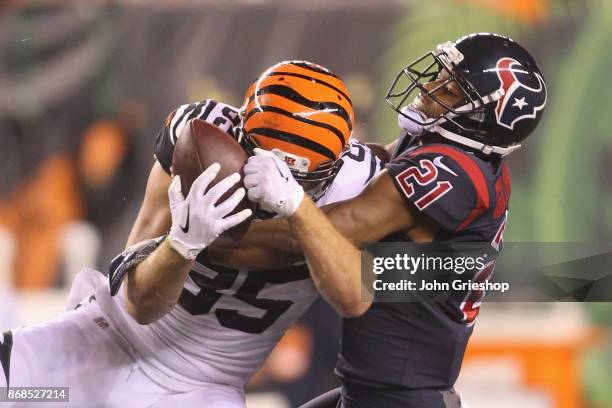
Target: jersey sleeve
(440,182)
(219,114)
(164,145)
(359,166)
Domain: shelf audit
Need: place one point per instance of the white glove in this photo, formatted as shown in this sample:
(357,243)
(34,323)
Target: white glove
(270,183)
(196,221)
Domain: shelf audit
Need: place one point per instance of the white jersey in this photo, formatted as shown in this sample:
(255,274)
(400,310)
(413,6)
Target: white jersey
(81,351)
(227,320)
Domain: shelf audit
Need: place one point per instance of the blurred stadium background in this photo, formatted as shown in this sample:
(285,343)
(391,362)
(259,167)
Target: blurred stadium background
(85,85)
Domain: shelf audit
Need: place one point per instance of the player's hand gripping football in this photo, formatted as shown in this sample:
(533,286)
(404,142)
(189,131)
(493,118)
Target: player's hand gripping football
(196,220)
(270,184)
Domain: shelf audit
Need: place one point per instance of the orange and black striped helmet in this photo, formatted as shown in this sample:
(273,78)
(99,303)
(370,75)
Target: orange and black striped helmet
(302,112)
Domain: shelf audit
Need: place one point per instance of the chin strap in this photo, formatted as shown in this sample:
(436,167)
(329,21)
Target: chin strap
(486,149)
(410,119)
(482,147)
(468,107)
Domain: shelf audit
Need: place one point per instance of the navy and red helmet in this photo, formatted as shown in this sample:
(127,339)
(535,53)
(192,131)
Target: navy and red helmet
(504,92)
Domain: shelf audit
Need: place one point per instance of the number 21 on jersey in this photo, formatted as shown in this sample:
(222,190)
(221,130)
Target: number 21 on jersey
(424,174)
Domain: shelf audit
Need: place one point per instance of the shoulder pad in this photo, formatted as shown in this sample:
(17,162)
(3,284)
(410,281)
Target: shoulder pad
(444,182)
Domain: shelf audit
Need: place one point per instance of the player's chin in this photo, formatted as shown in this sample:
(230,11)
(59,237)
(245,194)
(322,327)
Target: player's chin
(426,109)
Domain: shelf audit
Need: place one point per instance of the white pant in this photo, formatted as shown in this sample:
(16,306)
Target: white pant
(80,350)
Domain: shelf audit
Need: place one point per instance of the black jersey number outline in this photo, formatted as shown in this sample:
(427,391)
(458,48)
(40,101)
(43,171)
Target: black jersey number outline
(228,113)
(361,152)
(209,293)
(360,156)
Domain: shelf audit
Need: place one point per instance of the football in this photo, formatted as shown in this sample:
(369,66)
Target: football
(201,144)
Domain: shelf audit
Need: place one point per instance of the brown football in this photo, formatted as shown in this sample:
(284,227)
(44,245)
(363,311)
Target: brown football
(201,144)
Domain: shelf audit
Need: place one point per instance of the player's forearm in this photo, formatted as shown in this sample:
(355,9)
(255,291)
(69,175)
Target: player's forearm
(154,216)
(154,286)
(255,258)
(147,228)
(334,262)
(268,244)
(383,152)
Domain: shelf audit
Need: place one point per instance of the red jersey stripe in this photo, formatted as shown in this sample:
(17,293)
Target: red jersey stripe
(473,171)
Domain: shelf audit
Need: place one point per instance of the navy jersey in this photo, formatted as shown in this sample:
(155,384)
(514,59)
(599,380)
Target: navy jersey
(416,345)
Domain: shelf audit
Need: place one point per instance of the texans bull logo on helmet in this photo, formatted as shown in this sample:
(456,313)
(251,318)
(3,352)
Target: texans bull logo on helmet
(519,101)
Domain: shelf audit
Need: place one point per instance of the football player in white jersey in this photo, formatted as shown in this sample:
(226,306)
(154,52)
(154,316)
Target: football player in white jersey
(181,328)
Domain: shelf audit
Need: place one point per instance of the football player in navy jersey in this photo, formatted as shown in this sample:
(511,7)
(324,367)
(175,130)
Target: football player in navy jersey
(474,102)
